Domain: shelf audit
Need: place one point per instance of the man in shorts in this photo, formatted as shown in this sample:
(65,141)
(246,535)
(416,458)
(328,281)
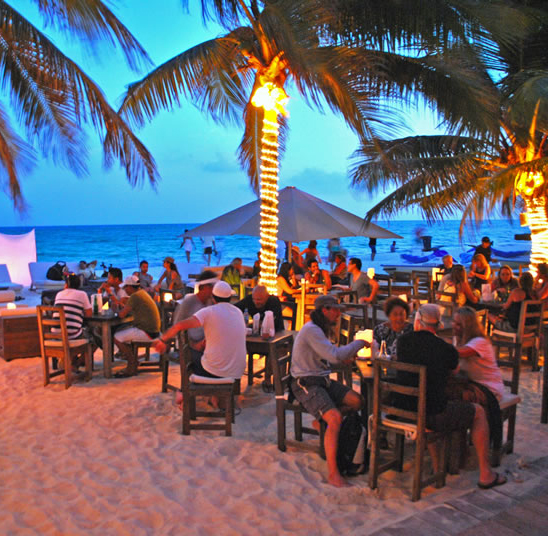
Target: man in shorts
(424,347)
(146,324)
(322,397)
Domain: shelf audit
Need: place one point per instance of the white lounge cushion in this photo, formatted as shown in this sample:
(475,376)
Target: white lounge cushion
(74,343)
(7,295)
(509,400)
(194,378)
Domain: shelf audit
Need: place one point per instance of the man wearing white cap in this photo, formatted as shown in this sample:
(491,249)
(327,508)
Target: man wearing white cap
(191,304)
(224,329)
(146,323)
(424,347)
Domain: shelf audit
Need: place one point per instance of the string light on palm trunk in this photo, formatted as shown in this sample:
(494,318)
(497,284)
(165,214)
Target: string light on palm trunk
(273,100)
(535,217)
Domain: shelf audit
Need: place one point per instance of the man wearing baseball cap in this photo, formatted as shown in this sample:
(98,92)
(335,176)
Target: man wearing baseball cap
(224,329)
(424,347)
(145,326)
(322,397)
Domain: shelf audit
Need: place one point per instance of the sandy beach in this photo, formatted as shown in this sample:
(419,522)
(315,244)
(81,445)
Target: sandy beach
(107,457)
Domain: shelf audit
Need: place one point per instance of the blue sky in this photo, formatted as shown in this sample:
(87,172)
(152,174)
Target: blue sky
(196,158)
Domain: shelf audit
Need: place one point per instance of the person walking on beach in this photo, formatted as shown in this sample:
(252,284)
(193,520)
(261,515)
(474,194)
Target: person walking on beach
(333,247)
(145,326)
(209,247)
(373,247)
(187,244)
(322,397)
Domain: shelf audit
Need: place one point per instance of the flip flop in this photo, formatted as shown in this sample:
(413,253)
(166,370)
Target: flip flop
(497,481)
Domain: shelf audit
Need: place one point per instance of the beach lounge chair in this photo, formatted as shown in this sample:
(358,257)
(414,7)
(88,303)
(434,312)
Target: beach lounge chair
(5,280)
(38,271)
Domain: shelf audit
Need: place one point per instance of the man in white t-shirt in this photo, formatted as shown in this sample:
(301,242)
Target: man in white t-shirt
(224,328)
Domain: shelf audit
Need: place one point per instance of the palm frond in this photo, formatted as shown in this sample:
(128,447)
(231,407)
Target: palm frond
(92,22)
(16,158)
(211,74)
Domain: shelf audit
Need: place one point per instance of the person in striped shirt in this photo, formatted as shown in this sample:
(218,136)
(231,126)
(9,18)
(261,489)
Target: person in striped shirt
(76,304)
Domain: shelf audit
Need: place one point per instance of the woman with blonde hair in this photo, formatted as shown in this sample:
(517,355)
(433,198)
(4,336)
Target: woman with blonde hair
(457,284)
(477,356)
(480,272)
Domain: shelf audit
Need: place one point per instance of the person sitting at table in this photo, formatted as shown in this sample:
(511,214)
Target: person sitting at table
(508,319)
(145,326)
(225,332)
(397,312)
(191,304)
(541,281)
(447,265)
(145,279)
(424,347)
(76,305)
(480,272)
(477,357)
(322,397)
(112,290)
(457,283)
(311,252)
(260,301)
(360,282)
(287,283)
(504,283)
(317,276)
(339,274)
(232,274)
(172,278)
(86,271)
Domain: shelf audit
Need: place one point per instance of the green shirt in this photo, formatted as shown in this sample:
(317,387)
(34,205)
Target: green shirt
(145,312)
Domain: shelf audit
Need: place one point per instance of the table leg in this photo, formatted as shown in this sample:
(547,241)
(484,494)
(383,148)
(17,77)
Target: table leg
(107,349)
(544,403)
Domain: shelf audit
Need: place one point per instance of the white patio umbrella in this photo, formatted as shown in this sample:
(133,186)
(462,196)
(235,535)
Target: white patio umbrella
(301,217)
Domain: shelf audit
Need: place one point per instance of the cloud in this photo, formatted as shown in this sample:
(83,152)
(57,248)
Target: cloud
(222,164)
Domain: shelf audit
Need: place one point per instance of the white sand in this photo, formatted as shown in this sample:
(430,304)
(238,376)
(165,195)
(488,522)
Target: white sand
(107,457)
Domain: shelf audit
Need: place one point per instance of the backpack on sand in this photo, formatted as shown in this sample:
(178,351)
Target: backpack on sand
(352,453)
(55,272)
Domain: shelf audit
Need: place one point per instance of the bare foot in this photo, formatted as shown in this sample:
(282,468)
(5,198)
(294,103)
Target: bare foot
(338,481)
(179,400)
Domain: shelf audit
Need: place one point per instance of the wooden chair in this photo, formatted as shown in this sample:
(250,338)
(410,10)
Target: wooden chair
(526,336)
(289,315)
(347,327)
(346,296)
(193,386)
(282,377)
(148,365)
(385,286)
(413,428)
(54,343)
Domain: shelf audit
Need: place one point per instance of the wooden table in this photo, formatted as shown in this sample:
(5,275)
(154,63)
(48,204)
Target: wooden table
(366,371)
(255,344)
(106,323)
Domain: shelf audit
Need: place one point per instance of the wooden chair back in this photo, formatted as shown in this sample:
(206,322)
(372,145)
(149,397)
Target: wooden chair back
(55,343)
(385,286)
(412,423)
(281,371)
(223,390)
(347,296)
(289,315)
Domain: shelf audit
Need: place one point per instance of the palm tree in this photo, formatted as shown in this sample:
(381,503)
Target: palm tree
(270,46)
(52,97)
(445,175)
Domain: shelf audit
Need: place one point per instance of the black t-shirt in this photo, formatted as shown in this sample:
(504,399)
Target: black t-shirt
(440,358)
(486,252)
(272,304)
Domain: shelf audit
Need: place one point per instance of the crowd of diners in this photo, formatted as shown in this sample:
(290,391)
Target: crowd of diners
(464,384)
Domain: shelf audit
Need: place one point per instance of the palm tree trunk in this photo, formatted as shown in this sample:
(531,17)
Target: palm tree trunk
(269,200)
(538,223)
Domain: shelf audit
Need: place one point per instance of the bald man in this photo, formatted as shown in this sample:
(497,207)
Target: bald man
(260,301)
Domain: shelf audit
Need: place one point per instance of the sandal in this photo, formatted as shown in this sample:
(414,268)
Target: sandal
(497,481)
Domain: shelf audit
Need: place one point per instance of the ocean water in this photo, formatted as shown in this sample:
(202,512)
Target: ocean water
(125,245)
